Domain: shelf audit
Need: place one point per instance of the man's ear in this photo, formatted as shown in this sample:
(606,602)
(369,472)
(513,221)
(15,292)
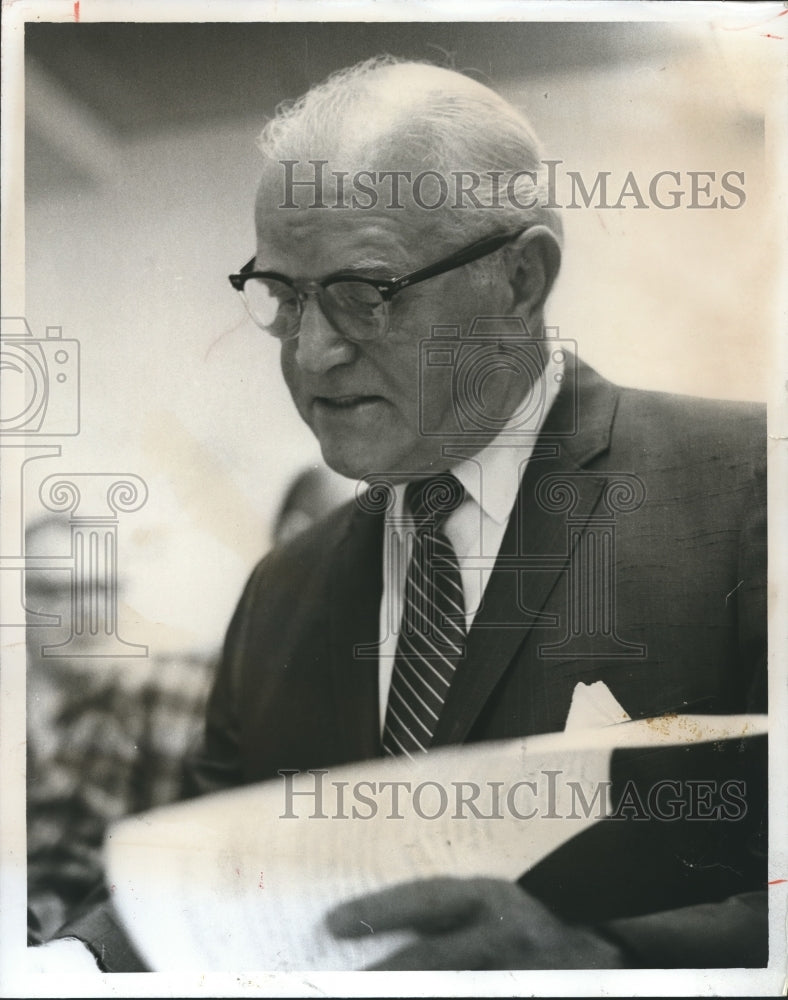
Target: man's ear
(533,261)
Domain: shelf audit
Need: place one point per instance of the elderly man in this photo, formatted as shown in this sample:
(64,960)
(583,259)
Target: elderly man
(406,246)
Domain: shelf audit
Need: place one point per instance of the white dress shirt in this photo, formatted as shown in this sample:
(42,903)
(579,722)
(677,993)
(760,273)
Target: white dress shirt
(491,479)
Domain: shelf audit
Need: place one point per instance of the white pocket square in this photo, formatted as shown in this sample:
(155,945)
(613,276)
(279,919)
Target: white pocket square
(593,706)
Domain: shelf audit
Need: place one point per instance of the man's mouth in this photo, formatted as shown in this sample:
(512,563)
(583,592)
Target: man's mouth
(336,403)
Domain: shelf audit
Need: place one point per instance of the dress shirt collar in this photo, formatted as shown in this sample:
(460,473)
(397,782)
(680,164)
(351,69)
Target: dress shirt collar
(492,476)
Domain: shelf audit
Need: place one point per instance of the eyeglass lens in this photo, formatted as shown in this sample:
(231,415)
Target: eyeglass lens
(355,308)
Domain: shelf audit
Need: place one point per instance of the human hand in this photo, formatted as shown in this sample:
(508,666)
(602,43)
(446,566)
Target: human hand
(477,923)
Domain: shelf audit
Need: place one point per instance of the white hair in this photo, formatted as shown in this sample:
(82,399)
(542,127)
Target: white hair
(387,113)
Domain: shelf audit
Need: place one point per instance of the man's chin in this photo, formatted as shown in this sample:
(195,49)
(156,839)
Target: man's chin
(353,462)
(372,462)
(358,446)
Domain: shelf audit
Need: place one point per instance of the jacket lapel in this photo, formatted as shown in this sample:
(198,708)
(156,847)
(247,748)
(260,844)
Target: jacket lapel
(576,430)
(354,597)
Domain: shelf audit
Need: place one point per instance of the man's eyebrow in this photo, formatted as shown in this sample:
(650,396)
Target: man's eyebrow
(373,266)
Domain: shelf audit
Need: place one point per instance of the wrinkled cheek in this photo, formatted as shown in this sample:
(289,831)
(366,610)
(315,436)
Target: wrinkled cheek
(436,402)
(290,374)
(287,362)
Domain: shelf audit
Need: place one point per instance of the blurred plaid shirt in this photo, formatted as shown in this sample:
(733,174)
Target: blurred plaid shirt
(103,741)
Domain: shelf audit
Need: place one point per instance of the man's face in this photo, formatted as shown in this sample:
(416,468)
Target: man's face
(362,400)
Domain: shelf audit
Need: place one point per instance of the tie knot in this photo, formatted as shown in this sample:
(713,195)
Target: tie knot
(432,499)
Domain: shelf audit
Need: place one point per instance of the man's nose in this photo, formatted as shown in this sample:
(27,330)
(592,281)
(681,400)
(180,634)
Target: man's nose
(320,346)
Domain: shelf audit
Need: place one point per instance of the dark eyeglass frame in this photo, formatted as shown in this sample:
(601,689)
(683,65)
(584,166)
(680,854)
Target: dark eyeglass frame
(386,287)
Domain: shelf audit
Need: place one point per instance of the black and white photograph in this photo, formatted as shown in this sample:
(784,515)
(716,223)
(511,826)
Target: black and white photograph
(393,441)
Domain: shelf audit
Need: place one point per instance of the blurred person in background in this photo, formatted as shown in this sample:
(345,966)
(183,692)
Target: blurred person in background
(311,496)
(105,737)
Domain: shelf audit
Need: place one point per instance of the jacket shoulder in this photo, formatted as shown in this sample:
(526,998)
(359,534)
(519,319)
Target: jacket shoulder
(293,564)
(687,426)
(735,416)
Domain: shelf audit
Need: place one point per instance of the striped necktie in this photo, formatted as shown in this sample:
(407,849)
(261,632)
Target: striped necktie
(432,630)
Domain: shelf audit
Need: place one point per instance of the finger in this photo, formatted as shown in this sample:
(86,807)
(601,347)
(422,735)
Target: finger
(462,950)
(428,905)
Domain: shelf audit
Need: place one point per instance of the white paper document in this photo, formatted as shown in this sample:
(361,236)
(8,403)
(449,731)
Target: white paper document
(243,879)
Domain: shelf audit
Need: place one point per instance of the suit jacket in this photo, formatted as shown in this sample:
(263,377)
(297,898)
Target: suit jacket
(672,488)
(635,555)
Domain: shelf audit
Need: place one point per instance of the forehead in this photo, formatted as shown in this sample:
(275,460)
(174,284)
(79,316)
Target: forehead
(303,240)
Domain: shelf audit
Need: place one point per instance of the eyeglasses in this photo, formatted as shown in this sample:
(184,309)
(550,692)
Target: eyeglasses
(355,305)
